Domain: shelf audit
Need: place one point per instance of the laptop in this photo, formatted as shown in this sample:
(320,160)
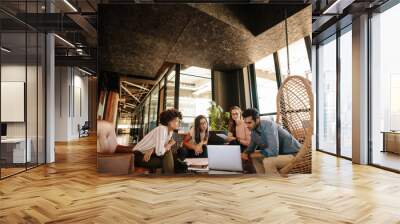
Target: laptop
(224,158)
(3,131)
(214,139)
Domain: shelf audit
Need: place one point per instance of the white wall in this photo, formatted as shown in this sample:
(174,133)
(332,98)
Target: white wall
(16,73)
(71,93)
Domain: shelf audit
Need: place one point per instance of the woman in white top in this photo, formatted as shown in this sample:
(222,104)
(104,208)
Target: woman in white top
(154,150)
(195,141)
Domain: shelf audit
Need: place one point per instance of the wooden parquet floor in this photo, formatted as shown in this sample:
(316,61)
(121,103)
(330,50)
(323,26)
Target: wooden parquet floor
(70,191)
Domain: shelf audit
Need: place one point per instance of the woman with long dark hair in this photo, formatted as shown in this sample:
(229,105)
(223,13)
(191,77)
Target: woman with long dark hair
(195,141)
(238,133)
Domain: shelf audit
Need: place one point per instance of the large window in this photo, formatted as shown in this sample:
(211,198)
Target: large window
(194,94)
(170,96)
(298,59)
(346,92)
(267,87)
(146,116)
(385,84)
(153,108)
(327,95)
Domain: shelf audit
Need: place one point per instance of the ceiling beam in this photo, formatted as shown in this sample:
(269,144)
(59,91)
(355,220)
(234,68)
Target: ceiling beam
(129,93)
(135,85)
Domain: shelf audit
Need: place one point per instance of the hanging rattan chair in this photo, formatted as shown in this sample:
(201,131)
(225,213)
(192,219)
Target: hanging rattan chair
(295,112)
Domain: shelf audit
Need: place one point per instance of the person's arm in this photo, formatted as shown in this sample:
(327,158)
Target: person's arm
(205,141)
(170,143)
(247,139)
(186,141)
(188,145)
(250,149)
(160,137)
(270,134)
(230,137)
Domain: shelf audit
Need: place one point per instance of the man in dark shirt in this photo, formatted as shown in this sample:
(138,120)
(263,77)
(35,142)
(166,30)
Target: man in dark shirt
(271,147)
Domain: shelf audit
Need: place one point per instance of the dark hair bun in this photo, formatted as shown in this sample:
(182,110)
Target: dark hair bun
(169,115)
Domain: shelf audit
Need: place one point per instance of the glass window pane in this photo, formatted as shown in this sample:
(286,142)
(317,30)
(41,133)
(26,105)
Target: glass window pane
(346,93)
(146,116)
(299,62)
(14,155)
(41,99)
(153,108)
(327,96)
(385,86)
(267,87)
(195,94)
(170,97)
(32,92)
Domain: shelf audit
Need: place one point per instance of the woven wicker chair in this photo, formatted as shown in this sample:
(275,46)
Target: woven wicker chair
(295,112)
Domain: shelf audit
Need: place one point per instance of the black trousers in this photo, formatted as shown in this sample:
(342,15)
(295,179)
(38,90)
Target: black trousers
(166,162)
(184,153)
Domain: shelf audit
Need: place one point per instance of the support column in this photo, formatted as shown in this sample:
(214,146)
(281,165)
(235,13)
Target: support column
(50,93)
(360,90)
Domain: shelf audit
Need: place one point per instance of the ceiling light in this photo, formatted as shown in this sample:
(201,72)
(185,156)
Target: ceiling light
(5,50)
(70,5)
(64,40)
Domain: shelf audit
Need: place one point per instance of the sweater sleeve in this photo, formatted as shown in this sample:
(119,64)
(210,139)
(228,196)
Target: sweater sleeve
(160,137)
(270,134)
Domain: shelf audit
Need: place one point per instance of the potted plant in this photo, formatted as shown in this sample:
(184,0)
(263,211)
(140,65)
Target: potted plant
(218,118)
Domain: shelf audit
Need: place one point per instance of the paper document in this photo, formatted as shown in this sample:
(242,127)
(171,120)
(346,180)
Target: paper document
(223,136)
(198,169)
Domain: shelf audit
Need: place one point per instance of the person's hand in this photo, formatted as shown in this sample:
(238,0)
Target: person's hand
(230,138)
(172,142)
(198,149)
(245,156)
(167,147)
(147,155)
(256,154)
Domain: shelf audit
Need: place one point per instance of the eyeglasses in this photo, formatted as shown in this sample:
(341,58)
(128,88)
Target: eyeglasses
(235,113)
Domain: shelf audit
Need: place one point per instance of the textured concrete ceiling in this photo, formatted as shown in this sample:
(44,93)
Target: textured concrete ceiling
(138,39)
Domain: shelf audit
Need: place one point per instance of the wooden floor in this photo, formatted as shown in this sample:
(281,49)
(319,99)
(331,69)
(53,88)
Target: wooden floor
(70,191)
(386,159)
